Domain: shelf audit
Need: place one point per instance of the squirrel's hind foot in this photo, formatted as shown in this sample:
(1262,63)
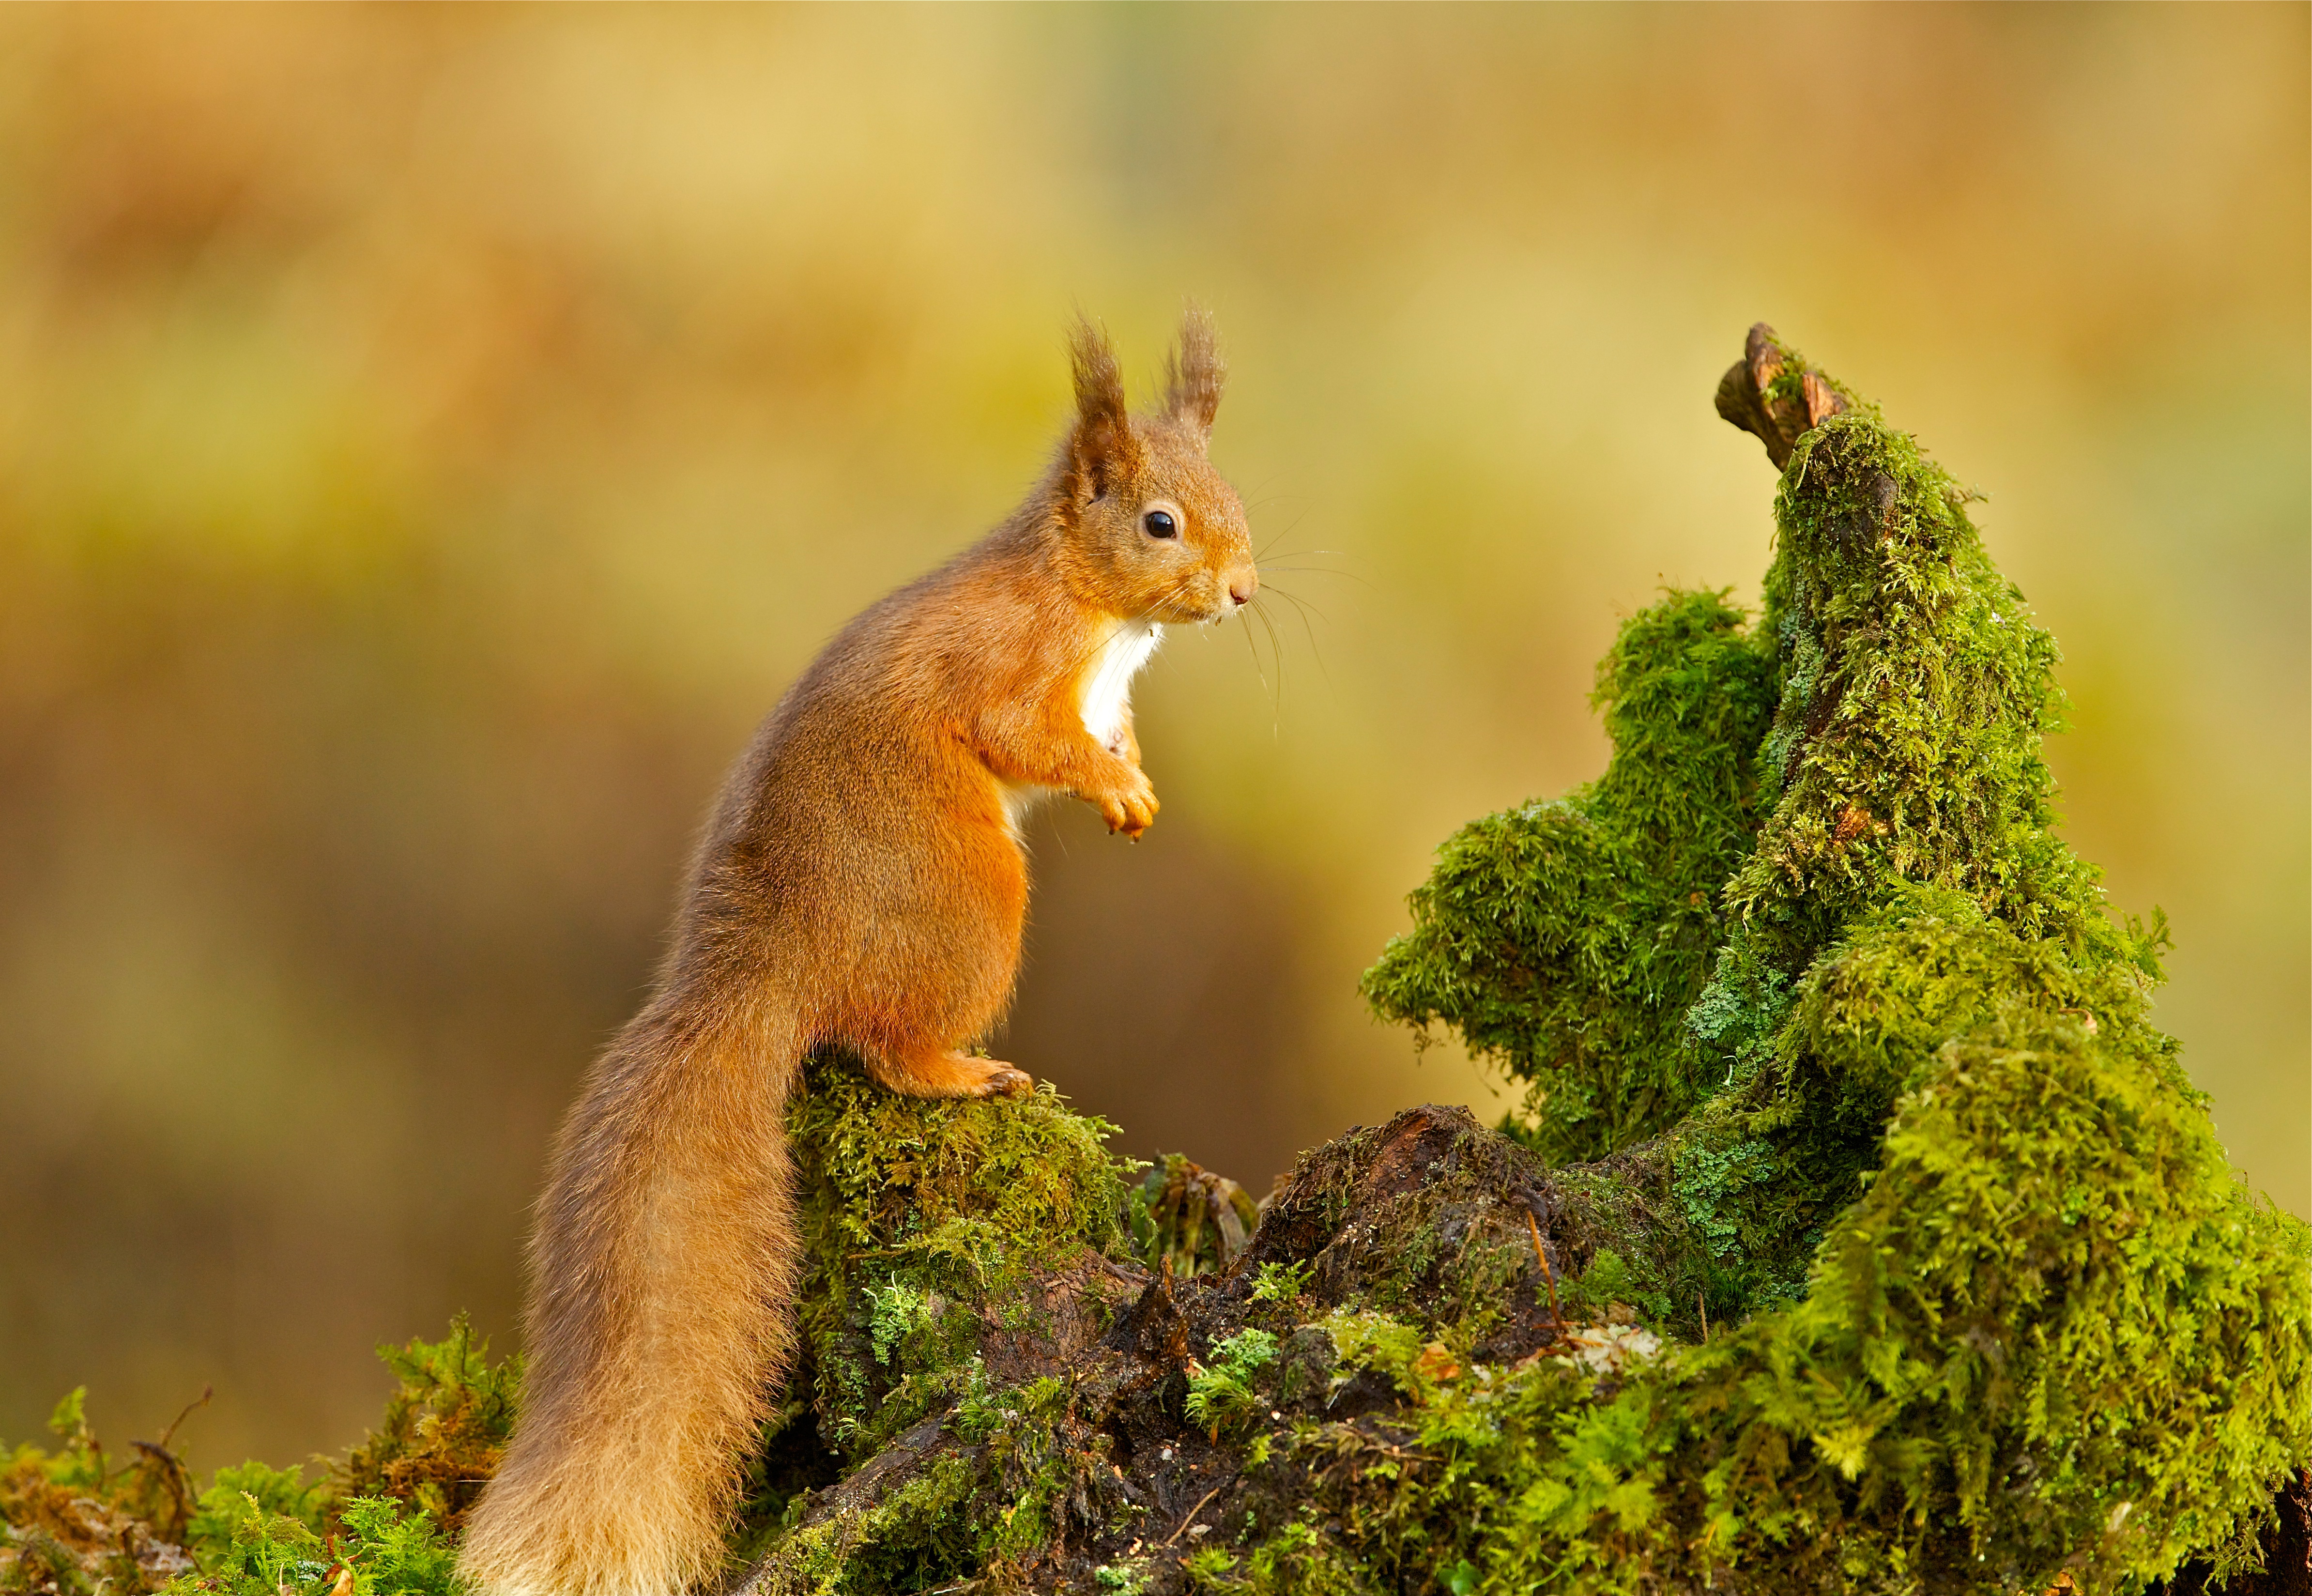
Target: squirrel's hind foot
(953,1075)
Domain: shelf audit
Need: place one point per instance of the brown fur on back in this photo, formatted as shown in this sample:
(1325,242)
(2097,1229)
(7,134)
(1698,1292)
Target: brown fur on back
(860,884)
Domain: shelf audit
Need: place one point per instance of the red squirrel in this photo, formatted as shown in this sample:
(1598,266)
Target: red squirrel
(861,885)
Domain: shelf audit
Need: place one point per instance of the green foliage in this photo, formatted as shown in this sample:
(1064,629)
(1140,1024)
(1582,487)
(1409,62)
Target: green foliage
(1221,1392)
(1568,939)
(1127,1578)
(445,1427)
(1212,1568)
(1279,1283)
(78,1528)
(82,1527)
(1606,1280)
(242,1489)
(895,1313)
(378,1549)
(1365,1339)
(251,1550)
(394,1555)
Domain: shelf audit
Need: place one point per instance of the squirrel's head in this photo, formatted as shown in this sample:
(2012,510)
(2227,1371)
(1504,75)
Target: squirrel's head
(1152,531)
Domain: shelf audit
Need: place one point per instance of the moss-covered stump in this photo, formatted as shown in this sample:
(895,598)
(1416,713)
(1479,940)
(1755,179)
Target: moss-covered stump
(1991,1306)
(1118,1429)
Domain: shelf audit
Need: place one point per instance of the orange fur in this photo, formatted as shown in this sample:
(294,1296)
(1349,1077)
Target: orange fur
(860,884)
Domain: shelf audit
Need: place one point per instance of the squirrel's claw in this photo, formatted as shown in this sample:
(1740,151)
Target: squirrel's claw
(1003,1080)
(1132,811)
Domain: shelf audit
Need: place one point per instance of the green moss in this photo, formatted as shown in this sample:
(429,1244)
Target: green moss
(918,1216)
(381,1523)
(1363,1338)
(1224,1391)
(2009,1311)
(1568,940)
(445,1427)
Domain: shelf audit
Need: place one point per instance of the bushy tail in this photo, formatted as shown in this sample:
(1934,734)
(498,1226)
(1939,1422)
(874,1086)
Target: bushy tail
(662,1272)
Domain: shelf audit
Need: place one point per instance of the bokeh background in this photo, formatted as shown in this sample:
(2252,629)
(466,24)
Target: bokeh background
(430,439)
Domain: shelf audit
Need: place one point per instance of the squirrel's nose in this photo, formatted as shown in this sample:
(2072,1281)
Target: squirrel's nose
(1242,587)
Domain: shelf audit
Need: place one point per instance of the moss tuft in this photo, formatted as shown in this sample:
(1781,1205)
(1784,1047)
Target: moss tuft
(1568,939)
(381,1523)
(445,1427)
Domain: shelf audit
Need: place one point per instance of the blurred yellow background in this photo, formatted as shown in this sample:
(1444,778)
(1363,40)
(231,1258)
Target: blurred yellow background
(430,439)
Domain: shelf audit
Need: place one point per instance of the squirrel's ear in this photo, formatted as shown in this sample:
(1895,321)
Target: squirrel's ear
(1101,450)
(1196,373)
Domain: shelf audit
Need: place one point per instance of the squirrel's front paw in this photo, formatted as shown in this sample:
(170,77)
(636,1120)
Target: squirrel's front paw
(1130,809)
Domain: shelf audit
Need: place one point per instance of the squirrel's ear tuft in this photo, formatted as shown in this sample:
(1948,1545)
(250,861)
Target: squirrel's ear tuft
(1196,373)
(1102,449)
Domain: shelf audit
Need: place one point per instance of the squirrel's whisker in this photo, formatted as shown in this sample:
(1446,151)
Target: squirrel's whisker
(1288,594)
(1258,674)
(1302,607)
(1317,570)
(1285,531)
(1276,650)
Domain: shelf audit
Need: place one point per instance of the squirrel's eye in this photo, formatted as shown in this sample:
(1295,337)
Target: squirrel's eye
(1161,524)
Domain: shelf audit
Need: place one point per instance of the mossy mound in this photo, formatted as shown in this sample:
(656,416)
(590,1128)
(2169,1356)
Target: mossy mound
(916,1216)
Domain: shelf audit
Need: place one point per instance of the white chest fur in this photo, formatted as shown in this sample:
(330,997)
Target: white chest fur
(1106,694)
(1107,685)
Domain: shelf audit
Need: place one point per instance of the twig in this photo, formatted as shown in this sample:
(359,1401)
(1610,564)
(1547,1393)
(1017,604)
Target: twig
(1548,1275)
(201,1401)
(1191,1518)
(1701,1301)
